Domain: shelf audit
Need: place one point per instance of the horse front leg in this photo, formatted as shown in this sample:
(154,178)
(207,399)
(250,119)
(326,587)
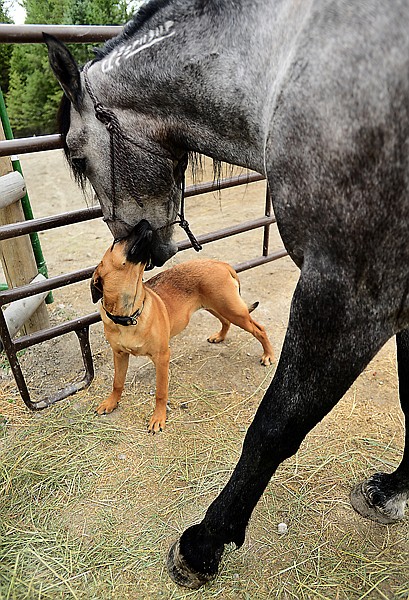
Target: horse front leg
(329,341)
(383,496)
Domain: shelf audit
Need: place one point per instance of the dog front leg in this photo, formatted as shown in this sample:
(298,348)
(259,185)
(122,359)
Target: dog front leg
(158,419)
(121,361)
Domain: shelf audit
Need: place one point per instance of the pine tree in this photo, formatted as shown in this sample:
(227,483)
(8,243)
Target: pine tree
(5,52)
(34,94)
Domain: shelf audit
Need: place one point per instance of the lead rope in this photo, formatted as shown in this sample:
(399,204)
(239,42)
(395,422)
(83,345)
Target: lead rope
(113,126)
(185,224)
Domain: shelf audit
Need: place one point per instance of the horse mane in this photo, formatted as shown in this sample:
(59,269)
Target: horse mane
(197,168)
(144,13)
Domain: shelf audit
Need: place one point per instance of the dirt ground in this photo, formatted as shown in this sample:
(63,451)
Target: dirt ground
(52,191)
(196,365)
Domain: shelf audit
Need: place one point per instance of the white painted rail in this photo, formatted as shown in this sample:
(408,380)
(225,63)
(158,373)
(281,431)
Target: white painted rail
(12,188)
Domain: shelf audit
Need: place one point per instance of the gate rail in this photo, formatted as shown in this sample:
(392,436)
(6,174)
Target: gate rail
(69,33)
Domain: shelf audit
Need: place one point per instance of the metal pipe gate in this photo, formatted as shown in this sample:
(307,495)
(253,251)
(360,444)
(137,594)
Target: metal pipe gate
(82,34)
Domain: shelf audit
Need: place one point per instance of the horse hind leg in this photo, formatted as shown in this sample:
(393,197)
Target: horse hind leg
(383,497)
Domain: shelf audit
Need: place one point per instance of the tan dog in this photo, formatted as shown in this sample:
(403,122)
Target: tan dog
(140,318)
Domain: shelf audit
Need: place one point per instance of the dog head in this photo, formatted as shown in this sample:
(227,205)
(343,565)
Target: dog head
(122,266)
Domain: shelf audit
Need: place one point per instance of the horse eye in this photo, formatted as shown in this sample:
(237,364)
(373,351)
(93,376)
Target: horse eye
(79,164)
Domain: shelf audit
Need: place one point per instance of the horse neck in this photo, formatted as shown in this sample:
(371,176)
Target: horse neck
(204,96)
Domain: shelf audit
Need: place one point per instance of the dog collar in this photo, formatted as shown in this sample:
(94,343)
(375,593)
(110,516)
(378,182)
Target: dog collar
(125,321)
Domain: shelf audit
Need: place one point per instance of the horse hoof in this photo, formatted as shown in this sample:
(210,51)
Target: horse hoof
(362,502)
(180,572)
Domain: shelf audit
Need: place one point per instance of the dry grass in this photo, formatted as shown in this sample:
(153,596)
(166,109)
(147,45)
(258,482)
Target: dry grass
(89,506)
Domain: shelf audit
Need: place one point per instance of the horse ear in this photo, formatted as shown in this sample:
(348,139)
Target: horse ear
(65,69)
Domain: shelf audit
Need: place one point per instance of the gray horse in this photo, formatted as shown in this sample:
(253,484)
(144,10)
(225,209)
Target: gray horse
(315,95)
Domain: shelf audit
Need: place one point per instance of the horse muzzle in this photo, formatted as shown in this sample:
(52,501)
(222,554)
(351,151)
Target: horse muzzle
(162,250)
(162,246)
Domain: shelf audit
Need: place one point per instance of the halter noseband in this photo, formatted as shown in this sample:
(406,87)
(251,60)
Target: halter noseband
(113,126)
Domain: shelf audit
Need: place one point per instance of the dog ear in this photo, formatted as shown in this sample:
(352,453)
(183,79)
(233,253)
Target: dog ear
(140,248)
(96,288)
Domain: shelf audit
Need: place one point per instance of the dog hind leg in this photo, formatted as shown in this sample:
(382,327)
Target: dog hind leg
(218,337)
(231,308)
(239,314)
(258,331)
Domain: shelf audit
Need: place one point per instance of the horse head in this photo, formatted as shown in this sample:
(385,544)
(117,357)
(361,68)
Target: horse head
(135,171)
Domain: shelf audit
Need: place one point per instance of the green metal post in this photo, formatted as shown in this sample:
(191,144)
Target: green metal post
(25,201)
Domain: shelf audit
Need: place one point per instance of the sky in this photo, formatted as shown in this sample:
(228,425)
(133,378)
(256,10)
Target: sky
(18,14)
(16,11)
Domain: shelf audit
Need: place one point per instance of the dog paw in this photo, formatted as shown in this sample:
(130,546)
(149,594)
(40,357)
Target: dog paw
(266,360)
(215,338)
(156,424)
(106,407)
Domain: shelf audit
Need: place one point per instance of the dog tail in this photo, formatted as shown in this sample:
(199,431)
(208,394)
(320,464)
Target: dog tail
(253,306)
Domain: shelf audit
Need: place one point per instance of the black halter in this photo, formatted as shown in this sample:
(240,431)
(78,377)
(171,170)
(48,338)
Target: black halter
(119,158)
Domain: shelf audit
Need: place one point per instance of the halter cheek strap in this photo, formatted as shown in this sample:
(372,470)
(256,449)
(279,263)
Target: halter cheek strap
(119,157)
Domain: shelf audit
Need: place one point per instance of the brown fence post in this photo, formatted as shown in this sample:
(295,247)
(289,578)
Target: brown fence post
(17,255)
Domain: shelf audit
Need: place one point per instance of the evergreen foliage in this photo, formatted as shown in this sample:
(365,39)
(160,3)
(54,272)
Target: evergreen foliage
(5,52)
(33,93)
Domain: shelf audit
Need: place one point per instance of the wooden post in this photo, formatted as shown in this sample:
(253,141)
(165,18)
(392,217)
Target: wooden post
(17,255)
